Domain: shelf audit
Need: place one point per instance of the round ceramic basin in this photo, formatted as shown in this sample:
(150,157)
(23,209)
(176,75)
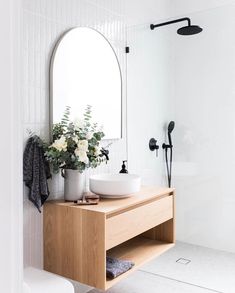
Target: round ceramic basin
(115,185)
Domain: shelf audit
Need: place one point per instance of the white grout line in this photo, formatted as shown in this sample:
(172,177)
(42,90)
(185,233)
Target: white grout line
(172,279)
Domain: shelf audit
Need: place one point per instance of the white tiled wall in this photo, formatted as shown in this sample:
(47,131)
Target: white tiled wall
(44,21)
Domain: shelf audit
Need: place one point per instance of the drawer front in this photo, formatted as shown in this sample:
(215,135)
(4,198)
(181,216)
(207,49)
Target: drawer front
(129,224)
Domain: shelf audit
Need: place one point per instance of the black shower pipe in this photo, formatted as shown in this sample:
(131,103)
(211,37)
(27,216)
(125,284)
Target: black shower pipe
(152,26)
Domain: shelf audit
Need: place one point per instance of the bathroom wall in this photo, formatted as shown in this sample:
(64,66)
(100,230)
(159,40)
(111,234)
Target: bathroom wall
(11,217)
(205,134)
(189,80)
(43,24)
(142,12)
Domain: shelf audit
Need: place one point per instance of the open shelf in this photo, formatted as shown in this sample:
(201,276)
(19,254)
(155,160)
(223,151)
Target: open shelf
(139,250)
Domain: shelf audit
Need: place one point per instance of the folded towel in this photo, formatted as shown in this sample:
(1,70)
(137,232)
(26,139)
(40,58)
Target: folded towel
(116,267)
(36,171)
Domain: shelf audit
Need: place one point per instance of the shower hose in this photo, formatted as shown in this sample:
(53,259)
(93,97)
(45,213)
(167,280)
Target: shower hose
(168,165)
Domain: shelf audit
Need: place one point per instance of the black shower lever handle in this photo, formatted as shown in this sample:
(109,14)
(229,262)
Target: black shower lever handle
(153,145)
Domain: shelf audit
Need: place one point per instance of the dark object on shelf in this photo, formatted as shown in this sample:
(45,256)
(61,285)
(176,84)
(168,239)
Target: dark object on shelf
(124,170)
(185,30)
(116,267)
(153,145)
(36,171)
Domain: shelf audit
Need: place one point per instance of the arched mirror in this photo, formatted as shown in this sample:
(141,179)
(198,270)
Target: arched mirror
(85,71)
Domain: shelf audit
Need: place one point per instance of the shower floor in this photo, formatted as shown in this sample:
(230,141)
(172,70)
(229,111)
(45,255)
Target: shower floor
(183,269)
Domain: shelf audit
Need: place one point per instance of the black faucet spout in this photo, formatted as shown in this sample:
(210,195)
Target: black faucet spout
(104,153)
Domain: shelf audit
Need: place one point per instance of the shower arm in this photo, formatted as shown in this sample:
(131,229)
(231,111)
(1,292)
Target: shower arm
(153,26)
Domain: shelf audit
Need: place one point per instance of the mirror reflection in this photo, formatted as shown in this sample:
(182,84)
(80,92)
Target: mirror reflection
(85,71)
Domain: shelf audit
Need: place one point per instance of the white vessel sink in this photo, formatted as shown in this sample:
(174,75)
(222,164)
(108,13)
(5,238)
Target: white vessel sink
(114,185)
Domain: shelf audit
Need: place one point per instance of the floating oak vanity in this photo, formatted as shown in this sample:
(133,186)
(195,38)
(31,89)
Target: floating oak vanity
(78,238)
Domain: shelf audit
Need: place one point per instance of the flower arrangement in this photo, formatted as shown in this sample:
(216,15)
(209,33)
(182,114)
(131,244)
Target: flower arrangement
(76,145)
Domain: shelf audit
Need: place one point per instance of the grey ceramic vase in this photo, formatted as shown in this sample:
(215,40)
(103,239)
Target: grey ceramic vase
(74,184)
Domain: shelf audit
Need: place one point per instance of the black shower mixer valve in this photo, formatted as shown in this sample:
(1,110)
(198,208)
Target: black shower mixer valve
(153,145)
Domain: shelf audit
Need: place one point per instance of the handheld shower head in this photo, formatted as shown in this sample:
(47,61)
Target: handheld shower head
(171,127)
(169,146)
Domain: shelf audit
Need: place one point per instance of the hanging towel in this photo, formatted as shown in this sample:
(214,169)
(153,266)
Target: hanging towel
(116,267)
(36,171)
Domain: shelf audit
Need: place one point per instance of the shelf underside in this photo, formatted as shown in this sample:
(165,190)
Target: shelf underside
(139,250)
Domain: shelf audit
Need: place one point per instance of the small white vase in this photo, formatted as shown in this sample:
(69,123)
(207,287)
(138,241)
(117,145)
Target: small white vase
(74,184)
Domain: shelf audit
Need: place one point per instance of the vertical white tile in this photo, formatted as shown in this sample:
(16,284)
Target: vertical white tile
(43,24)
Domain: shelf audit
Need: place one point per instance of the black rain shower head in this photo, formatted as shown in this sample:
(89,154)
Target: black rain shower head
(185,30)
(189,30)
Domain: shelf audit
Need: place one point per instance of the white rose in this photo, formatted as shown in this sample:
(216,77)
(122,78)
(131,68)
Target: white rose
(97,151)
(75,139)
(78,124)
(60,144)
(82,156)
(89,135)
(83,145)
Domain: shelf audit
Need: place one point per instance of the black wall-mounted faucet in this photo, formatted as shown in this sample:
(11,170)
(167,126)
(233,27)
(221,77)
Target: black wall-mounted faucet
(104,153)
(153,145)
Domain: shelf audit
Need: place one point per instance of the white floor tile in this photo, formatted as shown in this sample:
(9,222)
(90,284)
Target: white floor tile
(208,268)
(141,282)
(79,287)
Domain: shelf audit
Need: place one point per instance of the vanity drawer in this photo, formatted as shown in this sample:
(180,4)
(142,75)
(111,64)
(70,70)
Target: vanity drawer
(131,223)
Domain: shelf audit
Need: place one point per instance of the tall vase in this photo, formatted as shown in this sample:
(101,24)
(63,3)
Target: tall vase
(74,184)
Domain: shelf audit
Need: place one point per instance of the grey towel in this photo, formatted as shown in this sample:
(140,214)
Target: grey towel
(36,171)
(116,267)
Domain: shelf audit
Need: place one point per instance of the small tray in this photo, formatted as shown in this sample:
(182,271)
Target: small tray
(88,199)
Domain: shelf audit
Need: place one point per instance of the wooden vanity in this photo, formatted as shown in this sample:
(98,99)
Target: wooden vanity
(78,238)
